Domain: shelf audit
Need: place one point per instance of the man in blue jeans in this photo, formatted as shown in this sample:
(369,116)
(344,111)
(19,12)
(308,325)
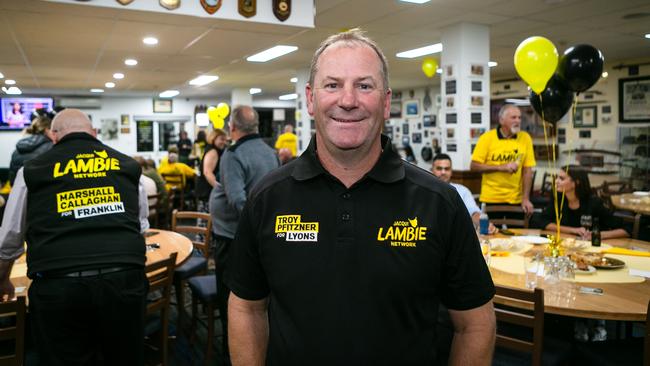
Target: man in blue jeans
(242,165)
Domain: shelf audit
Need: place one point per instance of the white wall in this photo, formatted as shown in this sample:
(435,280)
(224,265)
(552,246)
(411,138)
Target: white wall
(114,107)
(415,124)
(605,136)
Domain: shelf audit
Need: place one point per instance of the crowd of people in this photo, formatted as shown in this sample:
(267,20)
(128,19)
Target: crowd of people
(310,262)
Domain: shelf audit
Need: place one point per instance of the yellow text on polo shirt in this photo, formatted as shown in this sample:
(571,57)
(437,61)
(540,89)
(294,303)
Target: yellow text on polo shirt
(87,165)
(403,233)
(292,228)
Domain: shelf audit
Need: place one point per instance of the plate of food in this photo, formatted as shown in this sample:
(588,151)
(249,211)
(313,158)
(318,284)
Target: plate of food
(532,239)
(504,244)
(575,244)
(609,263)
(585,270)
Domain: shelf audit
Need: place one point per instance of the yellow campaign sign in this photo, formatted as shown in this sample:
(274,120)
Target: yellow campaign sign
(87,165)
(291,223)
(69,200)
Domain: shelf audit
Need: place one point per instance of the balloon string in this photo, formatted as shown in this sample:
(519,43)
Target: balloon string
(552,166)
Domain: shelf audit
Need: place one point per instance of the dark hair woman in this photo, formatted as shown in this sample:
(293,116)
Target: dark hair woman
(580,208)
(216,143)
(31,146)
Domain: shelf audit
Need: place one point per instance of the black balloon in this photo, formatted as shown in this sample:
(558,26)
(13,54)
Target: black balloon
(553,103)
(580,67)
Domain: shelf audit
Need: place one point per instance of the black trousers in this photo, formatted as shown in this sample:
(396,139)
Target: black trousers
(96,320)
(222,247)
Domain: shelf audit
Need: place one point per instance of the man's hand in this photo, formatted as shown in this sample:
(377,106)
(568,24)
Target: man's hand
(510,167)
(582,233)
(7,291)
(527,206)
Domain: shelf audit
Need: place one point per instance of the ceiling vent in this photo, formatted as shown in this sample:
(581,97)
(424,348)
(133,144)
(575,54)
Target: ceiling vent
(80,103)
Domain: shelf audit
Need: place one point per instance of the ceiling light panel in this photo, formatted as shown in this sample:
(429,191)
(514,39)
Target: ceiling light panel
(417,52)
(203,80)
(271,53)
(13,90)
(288,96)
(169,94)
(150,41)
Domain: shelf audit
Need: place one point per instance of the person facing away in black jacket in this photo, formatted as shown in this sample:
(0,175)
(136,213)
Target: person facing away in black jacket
(34,144)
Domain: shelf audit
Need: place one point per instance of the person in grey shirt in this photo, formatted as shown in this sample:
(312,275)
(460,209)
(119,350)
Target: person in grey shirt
(441,168)
(243,164)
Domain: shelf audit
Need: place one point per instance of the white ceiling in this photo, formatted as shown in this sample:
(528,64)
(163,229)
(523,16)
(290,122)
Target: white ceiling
(68,49)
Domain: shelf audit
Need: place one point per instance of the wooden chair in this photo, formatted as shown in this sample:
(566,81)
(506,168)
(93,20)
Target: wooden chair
(194,265)
(499,215)
(204,290)
(155,209)
(617,187)
(608,189)
(17,331)
(634,219)
(508,305)
(540,198)
(160,276)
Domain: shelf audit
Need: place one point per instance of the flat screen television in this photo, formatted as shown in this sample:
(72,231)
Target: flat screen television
(17,112)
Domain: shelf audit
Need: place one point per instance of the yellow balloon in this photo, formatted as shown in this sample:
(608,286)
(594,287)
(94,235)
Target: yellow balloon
(218,123)
(429,67)
(536,60)
(212,114)
(223,110)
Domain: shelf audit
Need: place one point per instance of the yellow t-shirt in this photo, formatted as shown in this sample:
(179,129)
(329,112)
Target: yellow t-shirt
(177,169)
(503,187)
(288,141)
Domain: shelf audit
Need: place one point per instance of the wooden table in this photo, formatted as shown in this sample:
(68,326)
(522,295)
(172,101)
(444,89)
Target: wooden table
(620,301)
(168,241)
(632,202)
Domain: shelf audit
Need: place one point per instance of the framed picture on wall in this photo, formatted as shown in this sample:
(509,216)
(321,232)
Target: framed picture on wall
(586,116)
(476,70)
(450,87)
(450,102)
(429,120)
(396,109)
(162,106)
(412,108)
(634,99)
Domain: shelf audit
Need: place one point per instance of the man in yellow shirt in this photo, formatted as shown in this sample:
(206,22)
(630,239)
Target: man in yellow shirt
(505,157)
(288,140)
(172,170)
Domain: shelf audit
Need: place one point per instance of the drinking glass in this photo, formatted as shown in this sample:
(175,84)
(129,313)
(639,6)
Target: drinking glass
(531,266)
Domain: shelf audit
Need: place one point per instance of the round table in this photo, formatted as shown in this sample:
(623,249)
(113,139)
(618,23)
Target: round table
(632,202)
(619,301)
(168,242)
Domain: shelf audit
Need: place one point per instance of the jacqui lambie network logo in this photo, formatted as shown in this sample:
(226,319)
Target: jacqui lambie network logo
(403,233)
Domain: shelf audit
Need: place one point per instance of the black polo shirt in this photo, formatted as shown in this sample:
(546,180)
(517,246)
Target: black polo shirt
(354,276)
